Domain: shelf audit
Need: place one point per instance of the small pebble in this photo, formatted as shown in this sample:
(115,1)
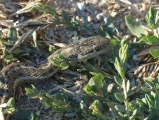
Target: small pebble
(81,6)
(82,19)
(116,6)
(105,19)
(113,14)
(99,17)
(89,18)
(77,17)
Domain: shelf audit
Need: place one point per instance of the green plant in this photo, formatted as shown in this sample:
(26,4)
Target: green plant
(60,103)
(120,65)
(10,109)
(149,103)
(107,96)
(12,48)
(142,33)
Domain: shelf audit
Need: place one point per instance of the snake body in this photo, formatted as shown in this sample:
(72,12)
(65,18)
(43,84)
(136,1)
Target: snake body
(16,74)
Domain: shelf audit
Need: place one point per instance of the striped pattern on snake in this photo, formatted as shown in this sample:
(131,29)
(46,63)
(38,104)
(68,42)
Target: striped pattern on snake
(17,74)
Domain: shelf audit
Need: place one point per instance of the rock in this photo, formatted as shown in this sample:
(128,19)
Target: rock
(113,14)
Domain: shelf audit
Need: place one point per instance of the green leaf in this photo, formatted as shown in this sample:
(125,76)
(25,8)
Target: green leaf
(152,17)
(127,85)
(131,92)
(119,97)
(151,40)
(150,100)
(52,48)
(157,87)
(92,69)
(140,102)
(109,29)
(62,57)
(91,82)
(114,42)
(8,56)
(118,80)
(133,116)
(65,16)
(135,28)
(153,94)
(119,68)
(146,89)
(157,79)
(157,100)
(131,106)
(12,35)
(55,62)
(33,87)
(153,114)
(85,27)
(94,84)
(10,108)
(31,92)
(88,89)
(149,83)
(47,10)
(66,20)
(154,53)
(120,108)
(123,52)
(10,102)
(62,96)
(104,88)
(96,81)
(64,66)
(96,106)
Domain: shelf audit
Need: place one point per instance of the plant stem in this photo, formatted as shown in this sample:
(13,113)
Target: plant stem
(126,96)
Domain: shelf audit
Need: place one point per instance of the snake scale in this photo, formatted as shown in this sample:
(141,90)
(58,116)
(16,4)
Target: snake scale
(17,74)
